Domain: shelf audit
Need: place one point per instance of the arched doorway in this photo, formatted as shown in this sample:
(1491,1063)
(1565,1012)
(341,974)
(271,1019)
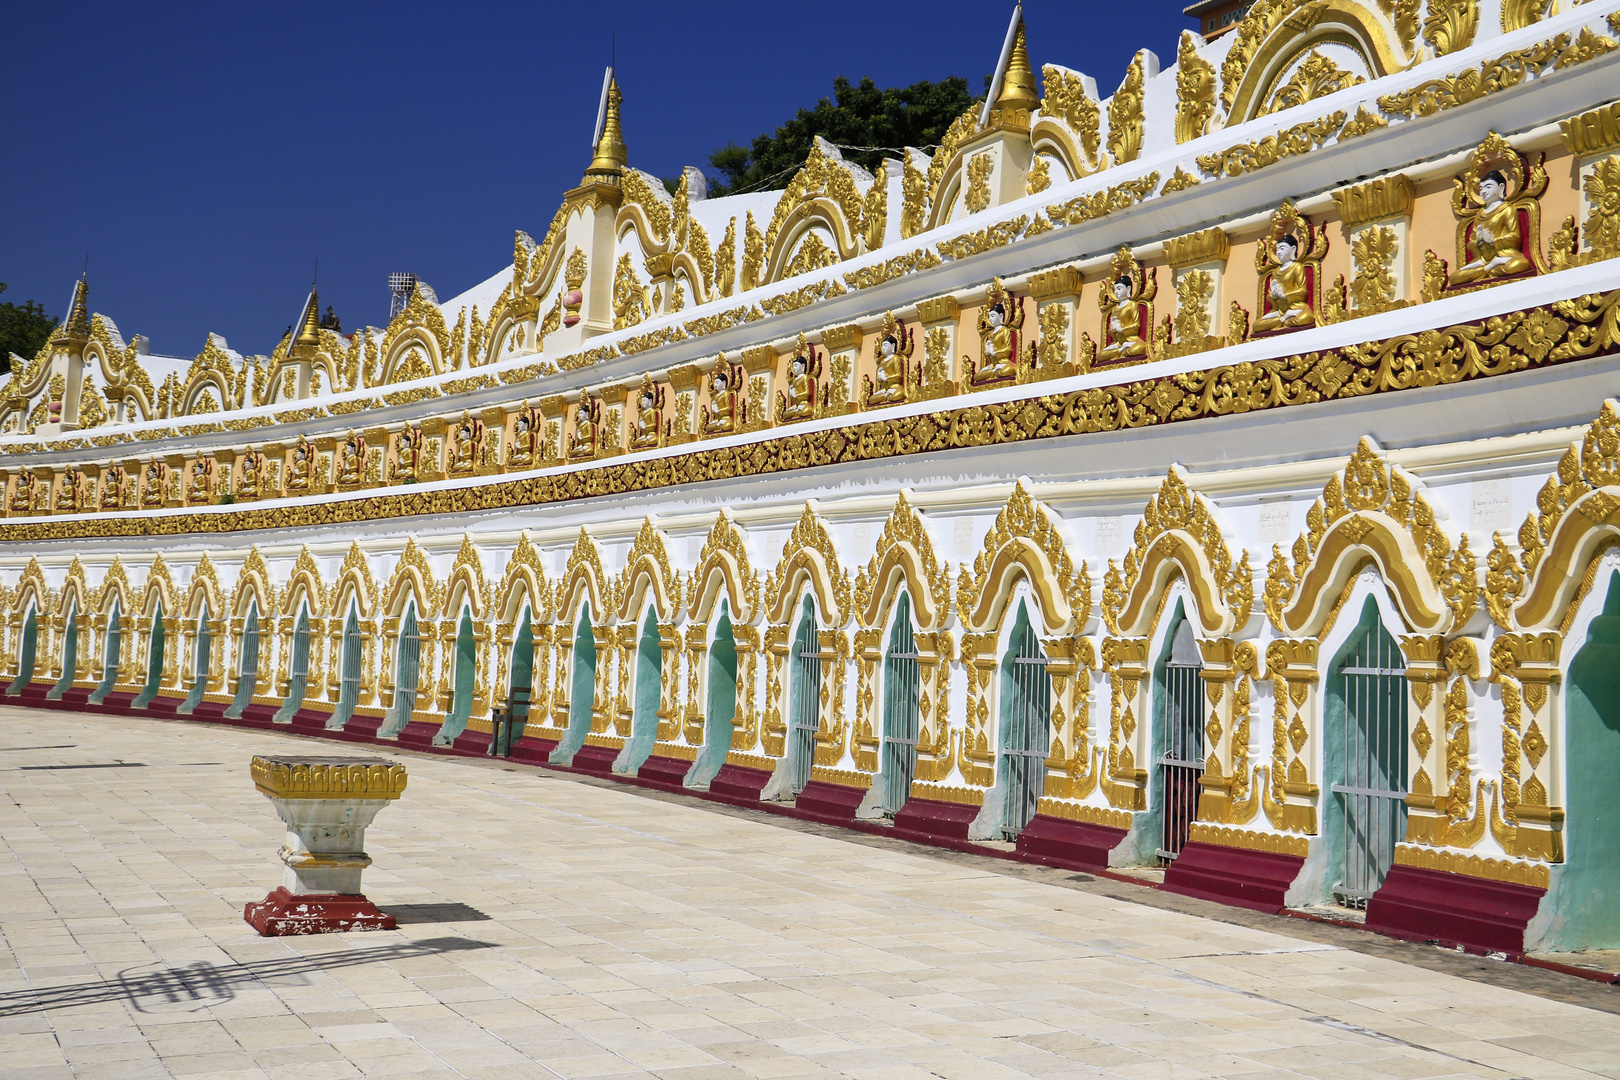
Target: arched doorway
(581,691)
(247,671)
(520,687)
(719,703)
(25,658)
(1582,911)
(804,700)
(902,709)
(297,669)
(464,682)
(70,655)
(407,672)
(154,662)
(1365,739)
(1026,726)
(349,669)
(111,654)
(199,677)
(1178,737)
(646,693)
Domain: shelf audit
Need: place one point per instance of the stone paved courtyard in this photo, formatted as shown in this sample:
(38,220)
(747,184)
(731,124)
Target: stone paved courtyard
(558,927)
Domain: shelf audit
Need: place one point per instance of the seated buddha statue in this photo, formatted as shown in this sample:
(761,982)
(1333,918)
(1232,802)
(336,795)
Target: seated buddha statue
(522,449)
(247,486)
(582,441)
(1124,335)
(1286,292)
(998,347)
(112,487)
(298,467)
(889,386)
(649,420)
(720,414)
(1494,242)
(464,446)
(67,495)
(197,486)
(797,400)
(152,485)
(352,455)
(406,456)
(22,496)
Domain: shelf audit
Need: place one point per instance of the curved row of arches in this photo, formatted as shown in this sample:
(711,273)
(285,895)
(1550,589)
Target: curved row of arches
(1428,710)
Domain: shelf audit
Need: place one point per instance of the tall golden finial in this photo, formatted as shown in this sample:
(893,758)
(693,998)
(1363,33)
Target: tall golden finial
(309,333)
(1018,90)
(76,327)
(611,155)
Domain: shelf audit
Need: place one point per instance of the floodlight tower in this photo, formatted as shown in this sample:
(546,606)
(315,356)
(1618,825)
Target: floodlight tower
(400,286)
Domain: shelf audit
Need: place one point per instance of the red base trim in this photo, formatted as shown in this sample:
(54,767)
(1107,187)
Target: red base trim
(830,800)
(533,749)
(472,742)
(418,734)
(1432,905)
(1252,879)
(664,770)
(739,782)
(929,817)
(1075,842)
(285,914)
(595,759)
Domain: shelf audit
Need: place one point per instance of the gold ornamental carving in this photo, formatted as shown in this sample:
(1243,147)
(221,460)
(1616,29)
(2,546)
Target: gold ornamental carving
(976,195)
(1288,260)
(1001,322)
(328,778)
(1377,200)
(1099,204)
(1126,299)
(1502,73)
(1198,248)
(1290,142)
(1125,114)
(1317,76)
(1497,202)
(1025,535)
(904,554)
(1195,90)
(1068,101)
(1593,132)
(1602,226)
(1451,25)
(809,553)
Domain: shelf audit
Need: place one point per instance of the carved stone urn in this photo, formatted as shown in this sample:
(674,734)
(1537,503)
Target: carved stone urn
(327,803)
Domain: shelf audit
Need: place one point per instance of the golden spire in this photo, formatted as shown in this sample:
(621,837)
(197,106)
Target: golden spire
(611,155)
(1018,83)
(76,327)
(309,334)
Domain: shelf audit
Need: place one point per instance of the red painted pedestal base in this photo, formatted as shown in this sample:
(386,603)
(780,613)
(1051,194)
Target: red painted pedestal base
(283,914)
(1253,879)
(1074,843)
(830,800)
(1432,905)
(934,818)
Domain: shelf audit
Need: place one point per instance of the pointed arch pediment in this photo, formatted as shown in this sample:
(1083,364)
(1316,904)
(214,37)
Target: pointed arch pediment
(1024,542)
(647,572)
(159,588)
(75,593)
(212,381)
(524,579)
(1179,532)
(412,579)
(31,590)
(827,191)
(354,584)
(115,586)
(204,586)
(583,578)
(466,585)
(416,343)
(1275,34)
(304,586)
(253,587)
(1575,520)
(723,564)
(1373,511)
(904,556)
(810,558)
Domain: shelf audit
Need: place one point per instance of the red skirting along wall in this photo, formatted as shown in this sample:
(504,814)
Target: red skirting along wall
(1432,905)
(1251,879)
(1073,843)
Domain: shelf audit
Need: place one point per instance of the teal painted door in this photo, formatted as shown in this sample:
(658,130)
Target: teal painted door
(410,667)
(581,691)
(1026,726)
(247,673)
(154,663)
(520,690)
(902,715)
(646,694)
(109,667)
(349,673)
(70,655)
(199,675)
(297,671)
(25,661)
(804,706)
(465,682)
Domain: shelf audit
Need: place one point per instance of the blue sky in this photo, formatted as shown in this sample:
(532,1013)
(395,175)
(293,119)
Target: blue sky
(205,156)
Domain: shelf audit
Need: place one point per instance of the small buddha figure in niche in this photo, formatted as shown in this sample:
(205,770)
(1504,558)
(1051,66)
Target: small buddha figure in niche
(406,456)
(1286,293)
(247,487)
(352,460)
(465,438)
(22,496)
(649,417)
(797,401)
(199,486)
(1000,320)
(152,484)
(67,495)
(582,441)
(720,414)
(1127,314)
(112,487)
(298,469)
(892,367)
(524,437)
(1494,241)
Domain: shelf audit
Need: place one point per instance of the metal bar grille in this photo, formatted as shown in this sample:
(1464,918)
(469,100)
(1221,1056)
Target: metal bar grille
(902,714)
(1026,741)
(1372,791)
(1181,761)
(805,715)
(410,667)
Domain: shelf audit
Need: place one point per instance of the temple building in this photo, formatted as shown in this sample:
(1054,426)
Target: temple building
(1217,478)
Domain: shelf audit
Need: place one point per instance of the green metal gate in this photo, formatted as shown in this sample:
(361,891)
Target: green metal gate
(464,684)
(25,661)
(1026,727)
(410,668)
(349,673)
(902,716)
(70,656)
(199,678)
(804,711)
(247,674)
(581,691)
(112,648)
(1372,795)
(1180,742)
(646,696)
(154,662)
(298,669)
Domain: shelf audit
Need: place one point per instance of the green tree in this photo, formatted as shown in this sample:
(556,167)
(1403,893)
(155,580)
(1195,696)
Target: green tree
(23,329)
(856,115)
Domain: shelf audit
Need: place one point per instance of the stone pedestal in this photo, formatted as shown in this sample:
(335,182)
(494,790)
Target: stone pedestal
(327,803)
